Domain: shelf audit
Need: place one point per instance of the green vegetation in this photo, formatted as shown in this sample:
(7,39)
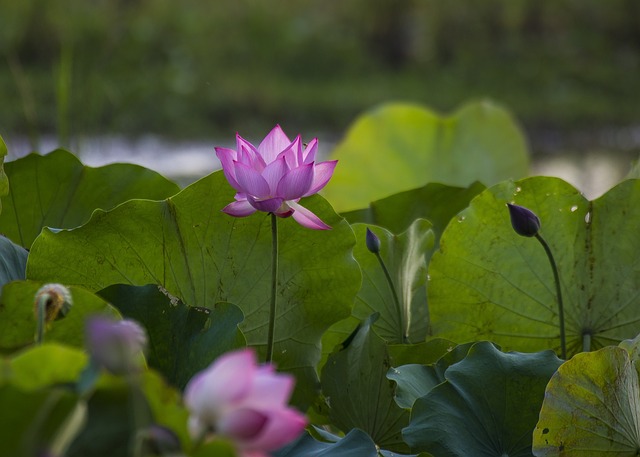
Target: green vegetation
(196,68)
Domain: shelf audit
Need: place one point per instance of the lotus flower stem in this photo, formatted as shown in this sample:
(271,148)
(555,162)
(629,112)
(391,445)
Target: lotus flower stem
(403,335)
(586,342)
(274,286)
(563,343)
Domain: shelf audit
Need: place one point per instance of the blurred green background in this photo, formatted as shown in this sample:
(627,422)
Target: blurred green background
(202,69)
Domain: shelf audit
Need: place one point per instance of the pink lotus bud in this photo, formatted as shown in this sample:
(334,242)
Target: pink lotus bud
(117,346)
(274,177)
(236,399)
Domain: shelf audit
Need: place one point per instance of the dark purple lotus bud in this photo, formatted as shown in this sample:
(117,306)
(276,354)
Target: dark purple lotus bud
(523,220)
(373,242)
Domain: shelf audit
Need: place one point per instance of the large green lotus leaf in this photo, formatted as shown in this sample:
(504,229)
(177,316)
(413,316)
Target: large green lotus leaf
(182,339)
(202,256)
(415,380)
(45,365)
(405,257)
(18,321)
(30,422)
(487,407)
(591,407)
(4,181)
(34,413)
(425,352)
(56,190)
(354,443)
(358,393)
(116,408)
(13,261)
(438,203)
(487,282)
(397,147)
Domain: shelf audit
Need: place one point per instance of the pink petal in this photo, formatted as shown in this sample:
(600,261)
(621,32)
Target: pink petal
(309,154)
(226,381)
(270,390)
(295,183)
(306,218)
(239,209)
(273,144)
(268,205)
(226,157)
(242,424)
(249,155)
(250,181)
(283,426)
(274,172)
(296,147)
(290,157)
(322,173)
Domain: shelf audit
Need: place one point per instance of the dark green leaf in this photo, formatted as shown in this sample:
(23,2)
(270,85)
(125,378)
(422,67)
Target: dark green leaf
(355,443)
(415,381)
(487,407)
(437,203)
(182,340)
(358,393)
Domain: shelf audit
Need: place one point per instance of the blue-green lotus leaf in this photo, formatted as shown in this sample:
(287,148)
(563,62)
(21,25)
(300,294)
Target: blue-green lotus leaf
(488,406)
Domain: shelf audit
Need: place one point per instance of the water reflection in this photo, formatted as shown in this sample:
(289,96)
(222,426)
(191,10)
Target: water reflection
(593,172)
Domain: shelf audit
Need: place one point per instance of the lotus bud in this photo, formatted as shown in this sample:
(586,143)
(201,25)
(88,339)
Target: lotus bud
(117,346)
(523,220)
(55,300)
(373,242)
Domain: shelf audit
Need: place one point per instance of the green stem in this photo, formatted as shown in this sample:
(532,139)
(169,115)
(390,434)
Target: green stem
(586,342)
(41,318)
(403,334)
(274,286)
(563,343)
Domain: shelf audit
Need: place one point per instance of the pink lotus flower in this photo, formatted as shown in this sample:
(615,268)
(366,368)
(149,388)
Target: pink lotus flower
(274,177)
(236,399)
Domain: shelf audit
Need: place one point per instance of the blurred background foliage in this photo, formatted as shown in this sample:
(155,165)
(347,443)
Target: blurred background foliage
(197,68)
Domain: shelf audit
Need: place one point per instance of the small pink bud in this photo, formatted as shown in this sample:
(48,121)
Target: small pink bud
(117,346)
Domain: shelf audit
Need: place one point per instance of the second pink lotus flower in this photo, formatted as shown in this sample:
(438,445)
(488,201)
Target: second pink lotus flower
(274,177)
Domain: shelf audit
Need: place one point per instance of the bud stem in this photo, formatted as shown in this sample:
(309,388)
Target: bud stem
(41,312)
(563,344)
(403,334)
(274,286)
